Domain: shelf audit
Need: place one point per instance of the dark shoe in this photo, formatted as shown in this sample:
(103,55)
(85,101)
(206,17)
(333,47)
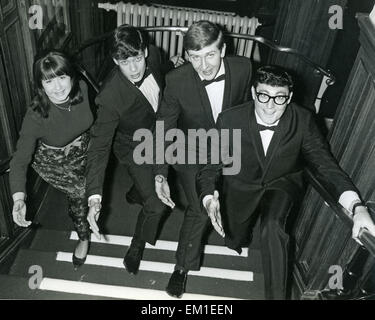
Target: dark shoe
(133,196)
(176,284)
(78,262)
(133,257)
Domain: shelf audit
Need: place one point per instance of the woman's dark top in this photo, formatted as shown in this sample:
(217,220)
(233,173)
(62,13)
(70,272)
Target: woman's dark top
(59,129)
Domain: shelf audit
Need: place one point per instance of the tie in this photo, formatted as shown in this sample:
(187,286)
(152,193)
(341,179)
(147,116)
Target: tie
(219,78)
(146,74)
(262,127)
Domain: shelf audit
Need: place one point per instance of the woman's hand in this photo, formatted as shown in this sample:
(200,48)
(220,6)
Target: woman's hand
(19,213)
(93,216)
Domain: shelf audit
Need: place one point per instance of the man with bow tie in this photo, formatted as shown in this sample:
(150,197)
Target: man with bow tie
(128,100)
(194,96)
(278,138)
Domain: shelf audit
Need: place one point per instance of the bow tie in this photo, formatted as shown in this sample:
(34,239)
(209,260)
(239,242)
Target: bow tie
(262,127)
(146,74)
(219,78)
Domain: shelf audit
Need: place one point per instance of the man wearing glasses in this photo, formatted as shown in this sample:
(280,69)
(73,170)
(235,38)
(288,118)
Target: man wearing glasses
(277,138)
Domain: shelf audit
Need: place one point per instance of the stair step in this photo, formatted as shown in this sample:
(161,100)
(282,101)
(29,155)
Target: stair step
(163,251)
(117,291)
(144,280)
(15,287)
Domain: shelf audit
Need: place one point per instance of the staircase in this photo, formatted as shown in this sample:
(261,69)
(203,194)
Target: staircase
(224,273)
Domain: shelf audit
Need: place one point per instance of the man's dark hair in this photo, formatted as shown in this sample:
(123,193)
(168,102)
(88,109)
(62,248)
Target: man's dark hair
(127,41)
(202,34)
(274,76)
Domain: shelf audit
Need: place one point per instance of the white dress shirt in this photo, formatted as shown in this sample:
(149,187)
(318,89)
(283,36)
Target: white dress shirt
(151,91)
(215,92)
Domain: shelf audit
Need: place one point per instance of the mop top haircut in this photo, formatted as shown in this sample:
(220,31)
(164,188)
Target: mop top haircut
(127,41)
(49,65)
(202,34)
(274,76)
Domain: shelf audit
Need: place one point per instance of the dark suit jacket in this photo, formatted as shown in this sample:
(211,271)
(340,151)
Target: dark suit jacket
(186,105)
(122,109)
(296,142)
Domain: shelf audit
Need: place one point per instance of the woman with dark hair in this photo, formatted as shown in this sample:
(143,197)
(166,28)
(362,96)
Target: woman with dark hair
(54,138)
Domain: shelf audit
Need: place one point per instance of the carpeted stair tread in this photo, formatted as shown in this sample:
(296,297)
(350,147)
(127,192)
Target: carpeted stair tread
(15,287)
(53,240)
(145,279)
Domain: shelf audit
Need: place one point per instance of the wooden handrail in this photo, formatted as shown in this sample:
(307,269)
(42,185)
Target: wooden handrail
(364,235)
(319,69)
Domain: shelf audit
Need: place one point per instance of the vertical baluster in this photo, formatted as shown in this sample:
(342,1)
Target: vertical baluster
(243,30)
(236,29)
(159,22)
(127,10)
(250,43)
(182,17)
(172,49)
(136,15)
(190,18)
(66,17)
(166,41)
(151,22)
(143,14)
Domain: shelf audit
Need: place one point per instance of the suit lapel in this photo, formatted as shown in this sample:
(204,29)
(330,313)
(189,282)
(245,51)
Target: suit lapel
(255,137)
(280,132)
(206,105)
(227,86)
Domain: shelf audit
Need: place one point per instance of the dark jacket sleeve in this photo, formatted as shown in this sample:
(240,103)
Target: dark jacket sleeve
(319,158)
(168,113)
(102,133)
(29,134)
(208,176)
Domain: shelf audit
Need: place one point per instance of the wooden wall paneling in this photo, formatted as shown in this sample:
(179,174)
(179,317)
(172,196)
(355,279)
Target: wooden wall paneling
(16,66)
(7,125)
(29,39)
(303,25)
(323,240)
(15,97)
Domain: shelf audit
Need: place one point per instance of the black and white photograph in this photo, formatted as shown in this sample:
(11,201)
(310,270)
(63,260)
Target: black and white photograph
(187,157)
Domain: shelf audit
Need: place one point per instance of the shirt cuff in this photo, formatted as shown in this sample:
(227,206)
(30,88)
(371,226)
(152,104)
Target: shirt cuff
(206,198)
(18,196)
(348,199)
(94,197)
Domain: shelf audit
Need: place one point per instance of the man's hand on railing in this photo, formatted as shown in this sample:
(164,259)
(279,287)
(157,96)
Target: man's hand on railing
(19,213)
(362,219)
(177,60)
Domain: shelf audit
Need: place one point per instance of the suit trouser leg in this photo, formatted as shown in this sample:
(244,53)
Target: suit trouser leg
(275,208)
(149,218)
(195,223)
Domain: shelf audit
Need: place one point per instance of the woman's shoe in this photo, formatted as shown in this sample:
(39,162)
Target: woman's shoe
(78,262)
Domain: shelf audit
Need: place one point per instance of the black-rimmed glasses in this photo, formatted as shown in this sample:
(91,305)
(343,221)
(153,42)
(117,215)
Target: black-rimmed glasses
(264,98)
